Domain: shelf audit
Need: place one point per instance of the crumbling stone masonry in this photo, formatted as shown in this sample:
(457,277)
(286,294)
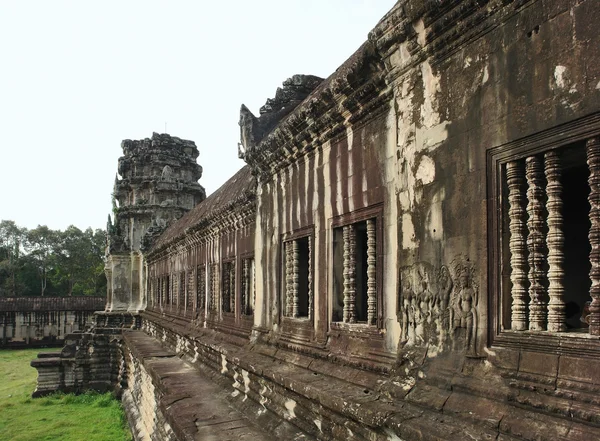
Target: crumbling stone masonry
(411,251)
(159,183)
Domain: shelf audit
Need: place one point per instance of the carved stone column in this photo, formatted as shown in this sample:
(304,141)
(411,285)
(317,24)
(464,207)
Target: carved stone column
(295,277)
(200,287)
(371,273)
(536,244)
(555,241)
(593,160)
(225,305)
(192,279)
(214,282)
(232,291)
(310,278)
(244,287)
(289,279)
(515,176)
(349,236)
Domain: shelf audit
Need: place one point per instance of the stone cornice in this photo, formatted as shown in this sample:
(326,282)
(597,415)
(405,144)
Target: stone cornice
(353,94)
(236,214)
(359,89)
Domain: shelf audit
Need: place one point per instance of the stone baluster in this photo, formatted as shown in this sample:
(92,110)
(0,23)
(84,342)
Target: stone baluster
(310,278)
(295,277)
(555,240)
(349,236)
(213,286)
(536,244)
(225,298)
(593,160)
(288,279)
(191,280)
(371,273)
(232,290)
(202,286)
(244,287)
(253,286)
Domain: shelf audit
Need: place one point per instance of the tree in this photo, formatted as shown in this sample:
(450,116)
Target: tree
(79,260)
(40,244)
(11,241)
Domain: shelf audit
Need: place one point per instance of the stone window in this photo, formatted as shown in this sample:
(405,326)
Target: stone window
(247,288)
(168,290)
(297,281)
(189,290)
(163,290)
(548,235)
(181,290)
(214,286)
(200,287)
(228,286)
(160,300)
(355,288)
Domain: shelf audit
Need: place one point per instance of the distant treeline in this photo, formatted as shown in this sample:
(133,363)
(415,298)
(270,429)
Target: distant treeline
(45,262)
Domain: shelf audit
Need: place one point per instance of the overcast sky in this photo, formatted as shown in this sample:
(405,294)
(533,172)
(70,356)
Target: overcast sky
(77,77)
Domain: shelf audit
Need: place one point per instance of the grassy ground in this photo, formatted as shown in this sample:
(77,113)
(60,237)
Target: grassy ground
(88,417)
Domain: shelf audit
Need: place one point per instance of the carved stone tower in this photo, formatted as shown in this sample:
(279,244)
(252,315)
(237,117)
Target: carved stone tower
(159,184)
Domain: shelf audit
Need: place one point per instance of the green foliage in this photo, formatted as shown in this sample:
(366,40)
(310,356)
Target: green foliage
(42,261)
(90,416)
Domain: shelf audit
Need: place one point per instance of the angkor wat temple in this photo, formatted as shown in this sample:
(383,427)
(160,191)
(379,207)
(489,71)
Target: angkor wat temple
(411,252)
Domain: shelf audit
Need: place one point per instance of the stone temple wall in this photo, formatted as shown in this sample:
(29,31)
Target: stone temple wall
(44,321)
(410,253)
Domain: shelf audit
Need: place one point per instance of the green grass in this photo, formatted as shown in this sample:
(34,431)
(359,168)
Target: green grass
(87,417)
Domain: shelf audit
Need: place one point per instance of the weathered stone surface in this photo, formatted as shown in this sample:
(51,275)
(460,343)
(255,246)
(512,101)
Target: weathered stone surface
(158,184)
(294,91)
(44,321)
(426,177)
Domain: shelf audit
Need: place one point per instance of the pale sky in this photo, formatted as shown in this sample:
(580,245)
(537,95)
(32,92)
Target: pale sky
(77,77)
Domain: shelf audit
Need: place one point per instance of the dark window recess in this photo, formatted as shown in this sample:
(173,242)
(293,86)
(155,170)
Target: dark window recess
(354,287)
(297,278)
(548,231)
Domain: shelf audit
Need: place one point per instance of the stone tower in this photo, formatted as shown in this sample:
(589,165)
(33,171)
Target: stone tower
(159,184)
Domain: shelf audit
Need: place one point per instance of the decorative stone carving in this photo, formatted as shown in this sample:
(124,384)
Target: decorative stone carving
(464,302)
(593,160)
(439,306)
(232,291)
(536,244)
(201,287)
(371,273)
(167,173)
(295,277)
(310,278)
(253,129)
(245,288)
(515,175)
(226,288)
(555,240)
(349,235)
(288,279)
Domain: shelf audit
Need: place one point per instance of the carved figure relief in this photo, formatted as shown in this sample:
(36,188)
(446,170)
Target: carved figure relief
(167,174)
(439,305)
(464,301)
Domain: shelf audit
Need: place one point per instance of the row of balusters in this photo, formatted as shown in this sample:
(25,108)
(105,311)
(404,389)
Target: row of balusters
(535,198)
(170,290)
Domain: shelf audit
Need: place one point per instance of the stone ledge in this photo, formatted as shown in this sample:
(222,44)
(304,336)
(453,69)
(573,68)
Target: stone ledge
(325,406)
(193,405)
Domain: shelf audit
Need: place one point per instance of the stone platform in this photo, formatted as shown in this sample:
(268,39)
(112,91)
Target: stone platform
(168,399)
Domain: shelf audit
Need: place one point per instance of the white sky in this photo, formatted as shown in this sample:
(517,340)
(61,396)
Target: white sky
(77,77)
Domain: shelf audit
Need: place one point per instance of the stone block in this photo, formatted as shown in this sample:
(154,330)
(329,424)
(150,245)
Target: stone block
(538,363)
